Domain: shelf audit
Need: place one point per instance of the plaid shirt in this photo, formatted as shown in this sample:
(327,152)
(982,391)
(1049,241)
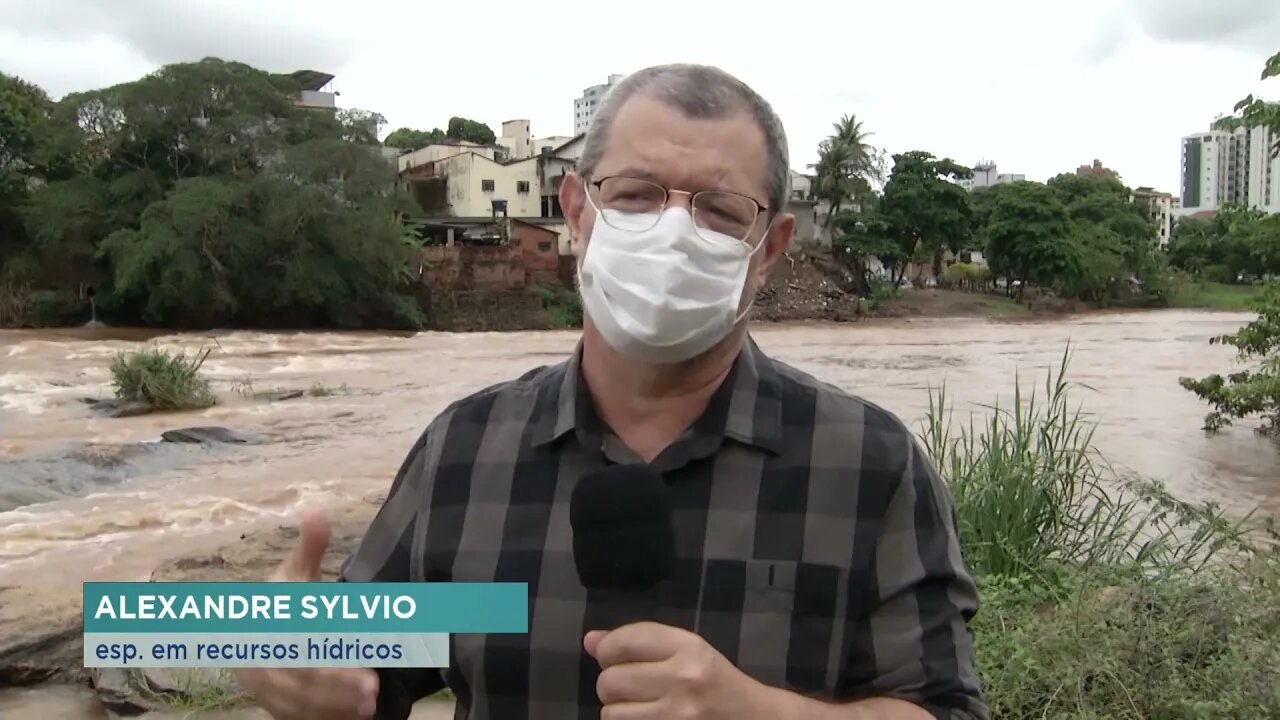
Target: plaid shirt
(816,545)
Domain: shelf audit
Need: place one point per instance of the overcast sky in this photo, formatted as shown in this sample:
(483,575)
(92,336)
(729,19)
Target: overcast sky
(1038,87)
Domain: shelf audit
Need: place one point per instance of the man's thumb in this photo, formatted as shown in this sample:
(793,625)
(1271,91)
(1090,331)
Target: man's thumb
(304,562)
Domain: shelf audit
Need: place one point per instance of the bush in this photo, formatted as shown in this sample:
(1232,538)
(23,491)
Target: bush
(1103,596)
(51,308)
(164,380)
(1031,491)
(882,291)
(562,305)
(1117,644)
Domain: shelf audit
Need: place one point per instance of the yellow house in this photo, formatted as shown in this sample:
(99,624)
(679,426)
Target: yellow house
(474,182)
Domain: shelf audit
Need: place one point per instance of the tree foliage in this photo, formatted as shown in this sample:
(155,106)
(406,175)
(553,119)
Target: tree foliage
(1254,390)
(1082,236)
(848,166)
(921,214)
(203,194)
(459,128)
(1234,245)
(1255,112)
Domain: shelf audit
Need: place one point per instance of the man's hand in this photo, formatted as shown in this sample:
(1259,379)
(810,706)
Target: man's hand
(311,693)
(651,671)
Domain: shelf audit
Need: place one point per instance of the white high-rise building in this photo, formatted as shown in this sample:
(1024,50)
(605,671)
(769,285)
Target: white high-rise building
(584,108)
(1221,167)
(986,175)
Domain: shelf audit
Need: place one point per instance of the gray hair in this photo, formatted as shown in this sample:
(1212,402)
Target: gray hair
(702,92)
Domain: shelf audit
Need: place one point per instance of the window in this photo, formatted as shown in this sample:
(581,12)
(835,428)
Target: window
(486,186)
(544,246)
(522,186)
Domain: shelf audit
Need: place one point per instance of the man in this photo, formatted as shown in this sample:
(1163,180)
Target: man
(818,560)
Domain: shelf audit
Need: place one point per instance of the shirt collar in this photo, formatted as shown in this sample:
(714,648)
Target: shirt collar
(747,408)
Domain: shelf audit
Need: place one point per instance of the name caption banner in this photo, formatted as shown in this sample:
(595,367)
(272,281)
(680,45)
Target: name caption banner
(232,624)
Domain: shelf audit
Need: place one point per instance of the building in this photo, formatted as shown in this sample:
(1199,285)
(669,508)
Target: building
(584,108)
(1230,167)
(1160,209)
(473,184)
(485,253)
(519,144)
(1097,169)
(985,174)
(317,90)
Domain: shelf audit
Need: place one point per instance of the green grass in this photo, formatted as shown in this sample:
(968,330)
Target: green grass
(1103,596)
(164,380)
(1216,296)
(202,692)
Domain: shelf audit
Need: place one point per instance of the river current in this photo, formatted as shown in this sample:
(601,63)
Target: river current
(85,497)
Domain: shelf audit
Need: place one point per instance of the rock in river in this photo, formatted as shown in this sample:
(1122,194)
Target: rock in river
(118,408)
(206,435)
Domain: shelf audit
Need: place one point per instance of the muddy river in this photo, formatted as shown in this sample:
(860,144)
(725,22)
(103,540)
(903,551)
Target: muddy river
(88,497)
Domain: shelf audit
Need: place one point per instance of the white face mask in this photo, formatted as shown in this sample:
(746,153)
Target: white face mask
(666,294)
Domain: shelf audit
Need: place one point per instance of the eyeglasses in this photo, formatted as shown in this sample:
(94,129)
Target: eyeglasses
(635,205)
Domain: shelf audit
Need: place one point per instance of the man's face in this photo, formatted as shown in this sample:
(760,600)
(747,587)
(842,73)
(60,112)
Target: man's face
(654,141)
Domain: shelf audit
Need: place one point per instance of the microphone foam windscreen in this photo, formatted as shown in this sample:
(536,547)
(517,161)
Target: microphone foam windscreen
(622,534)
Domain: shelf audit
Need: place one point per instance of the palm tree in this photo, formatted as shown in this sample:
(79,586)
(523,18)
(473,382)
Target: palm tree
(847,166)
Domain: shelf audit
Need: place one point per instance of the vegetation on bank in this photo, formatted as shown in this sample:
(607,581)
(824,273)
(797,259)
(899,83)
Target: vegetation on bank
(196,196)
(1253,390)
(1103,596)
(1082,237)
(163,380)
(562,305)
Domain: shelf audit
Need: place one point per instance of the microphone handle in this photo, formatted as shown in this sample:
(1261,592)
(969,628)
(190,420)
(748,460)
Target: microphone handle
(609,608)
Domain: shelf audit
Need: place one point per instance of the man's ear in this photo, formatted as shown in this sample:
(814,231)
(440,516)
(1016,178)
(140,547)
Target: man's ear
(573,201)
(776,242)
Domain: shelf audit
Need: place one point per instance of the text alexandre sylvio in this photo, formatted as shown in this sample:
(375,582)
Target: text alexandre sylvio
(255,607)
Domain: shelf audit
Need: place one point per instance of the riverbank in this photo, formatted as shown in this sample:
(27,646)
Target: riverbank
(806,286)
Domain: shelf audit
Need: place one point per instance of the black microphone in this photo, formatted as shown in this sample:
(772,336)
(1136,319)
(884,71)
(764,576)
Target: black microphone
(623,543)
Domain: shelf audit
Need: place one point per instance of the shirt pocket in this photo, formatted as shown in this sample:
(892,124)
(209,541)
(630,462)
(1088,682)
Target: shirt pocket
(780,621)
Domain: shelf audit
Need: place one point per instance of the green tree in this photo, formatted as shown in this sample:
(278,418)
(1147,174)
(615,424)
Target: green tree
(1254,391)
(1255,112)
(848,164)
(204,194)
(409,139)
(36,149)
(1235,244)
(461,128)
(862,238)
(925,212)
(1028,236)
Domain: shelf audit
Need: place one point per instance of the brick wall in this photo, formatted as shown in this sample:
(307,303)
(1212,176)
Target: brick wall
(464,267)
(539,251)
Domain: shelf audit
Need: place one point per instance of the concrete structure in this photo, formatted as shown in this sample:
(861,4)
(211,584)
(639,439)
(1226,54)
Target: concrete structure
(1221,167)
(584,108)
(316,91)
(1160,206)
(516,137)
(985,174)
(520,144)
(1097,169)
(487,254)
(441,150)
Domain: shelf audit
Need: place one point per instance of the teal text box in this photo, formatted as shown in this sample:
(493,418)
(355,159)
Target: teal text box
(245,607)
